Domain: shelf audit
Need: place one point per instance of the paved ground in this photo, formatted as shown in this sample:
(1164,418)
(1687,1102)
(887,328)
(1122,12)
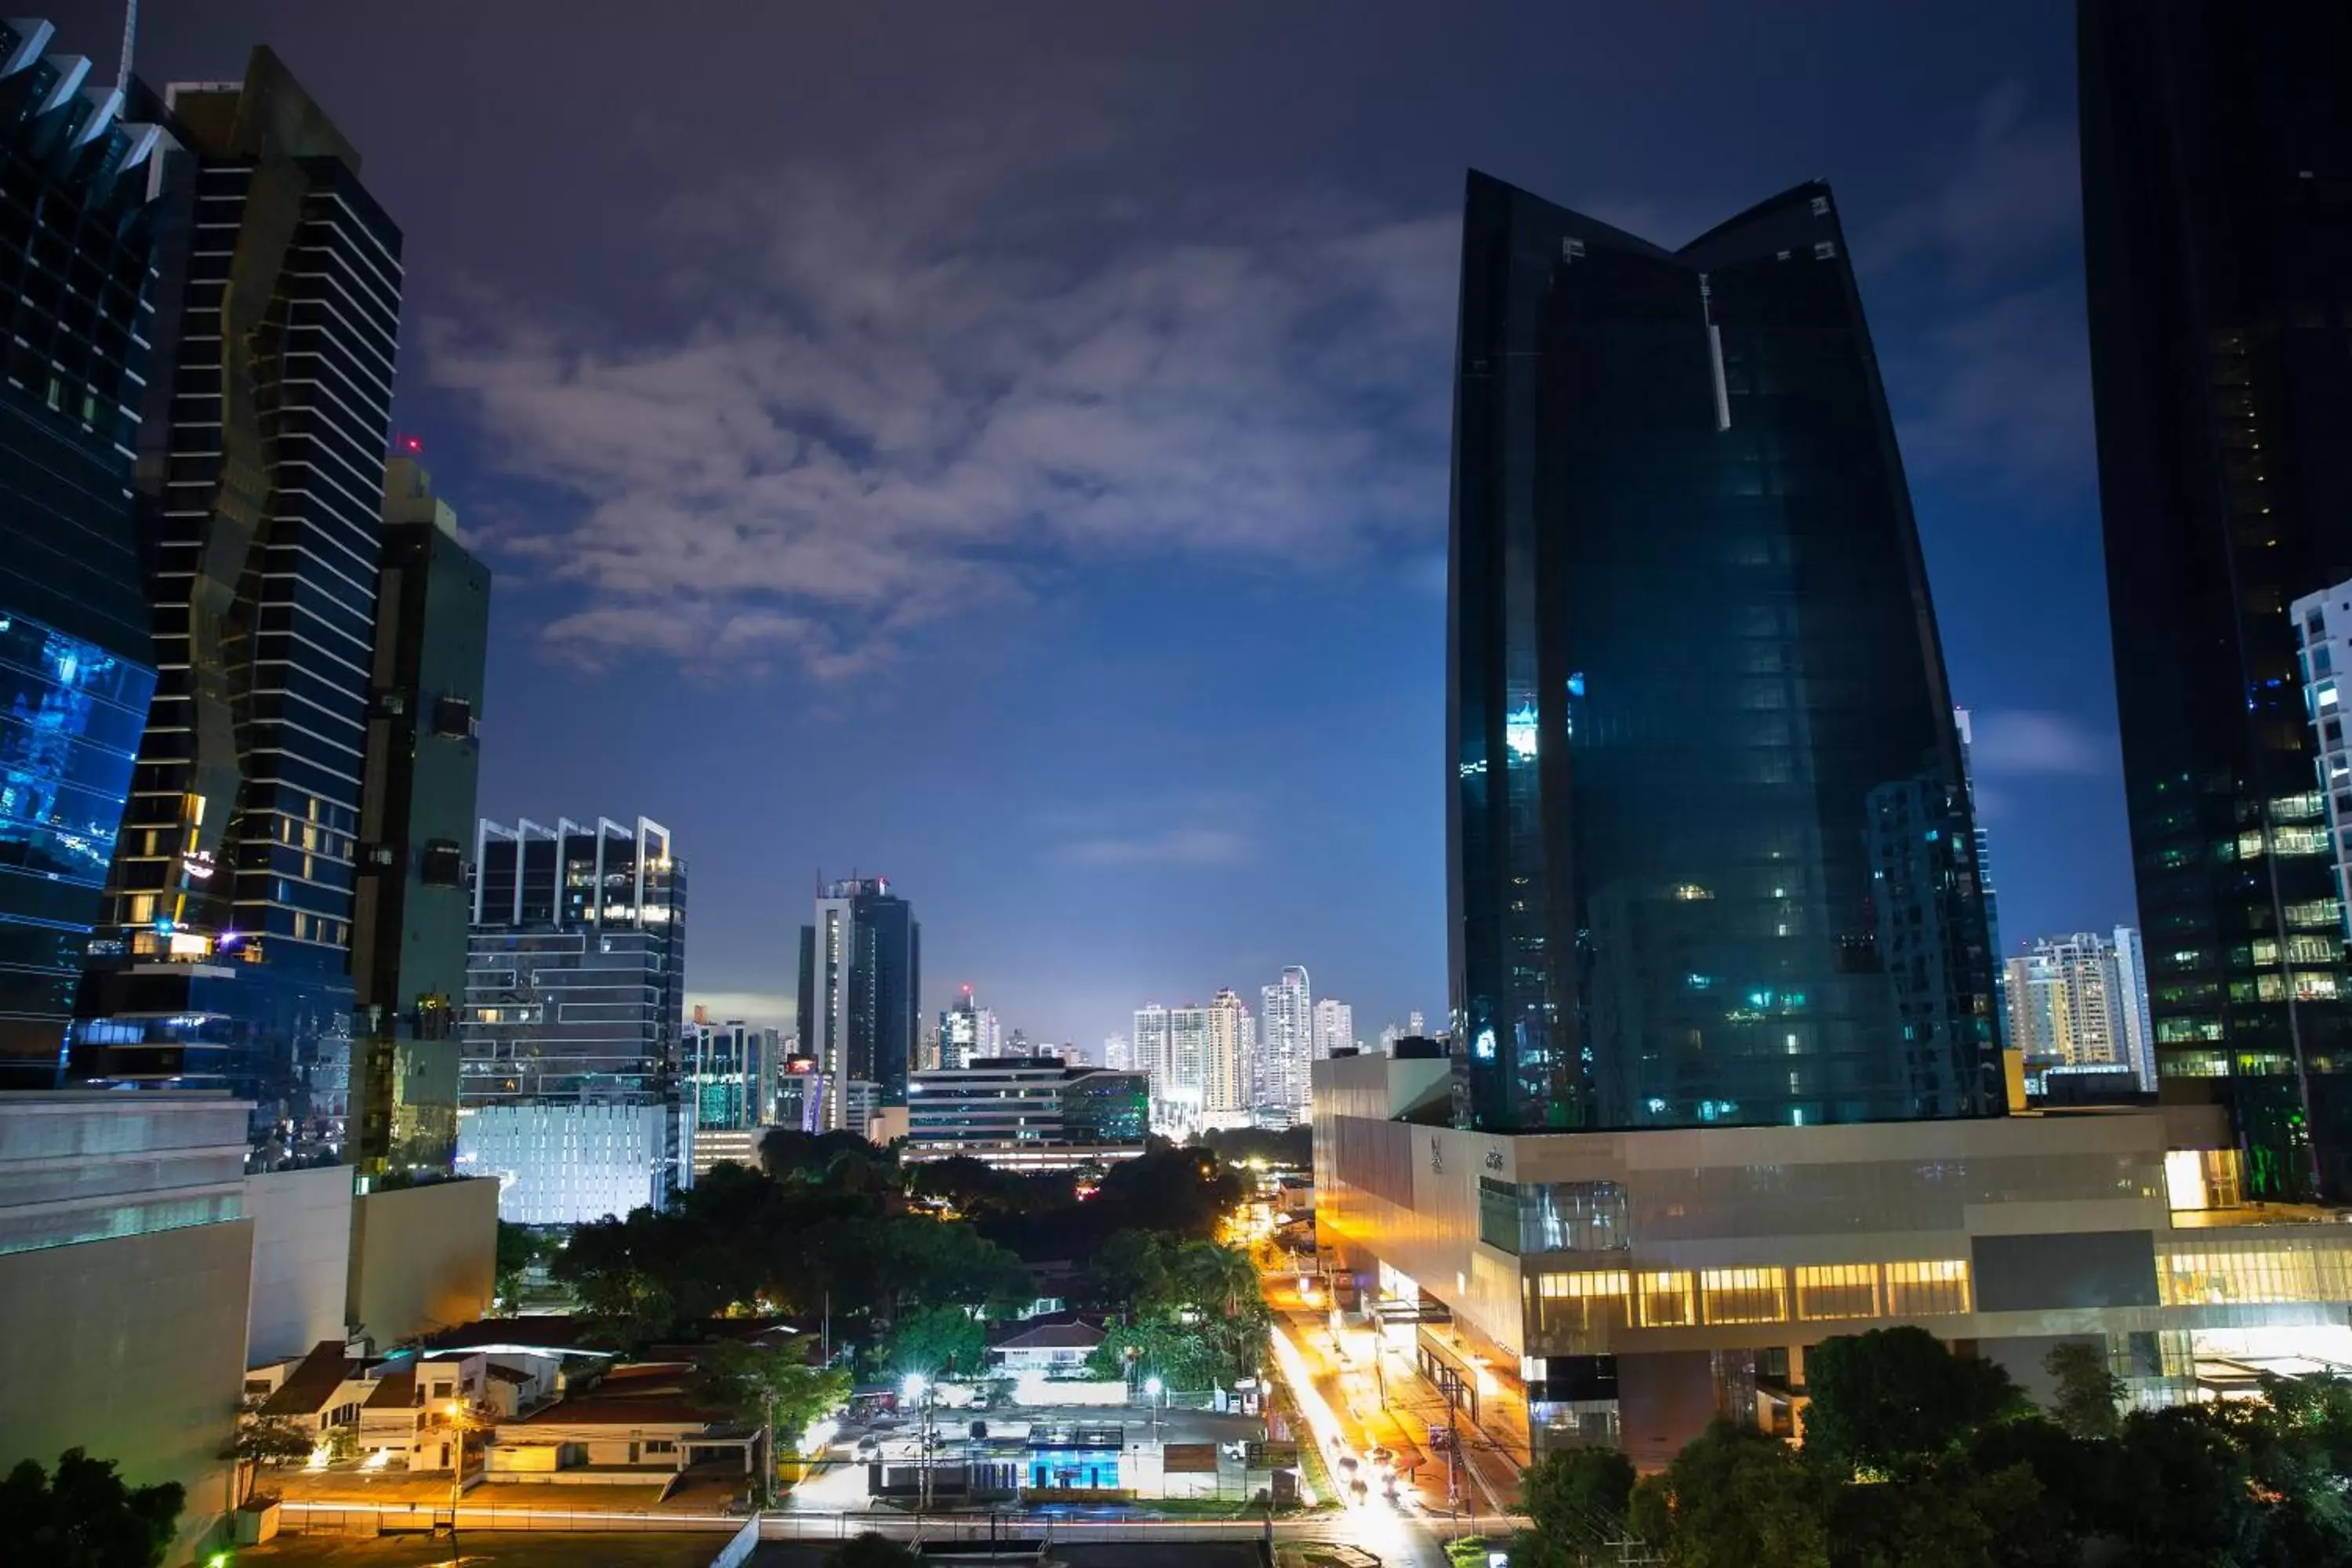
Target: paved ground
(484,1549)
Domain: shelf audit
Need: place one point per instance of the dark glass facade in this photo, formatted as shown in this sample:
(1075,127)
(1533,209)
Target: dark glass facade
(1101,1107)
(575,984)
(2217,185)
(223,959)
(1710,854)
(83,203)
(412,912)
(860,984)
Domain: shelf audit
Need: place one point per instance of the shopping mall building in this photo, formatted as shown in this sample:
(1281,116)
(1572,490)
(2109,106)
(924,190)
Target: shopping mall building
(1625,1287)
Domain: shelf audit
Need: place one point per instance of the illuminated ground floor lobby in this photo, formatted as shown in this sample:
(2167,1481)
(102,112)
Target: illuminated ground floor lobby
(1625,1287)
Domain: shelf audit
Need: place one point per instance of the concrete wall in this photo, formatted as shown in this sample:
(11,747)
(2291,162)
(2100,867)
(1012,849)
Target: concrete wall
(301,1259)
(134,1349)
(422,1257)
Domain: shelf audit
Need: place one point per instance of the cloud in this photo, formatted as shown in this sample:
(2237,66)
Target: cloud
(2007,390)
(1169,847)
(2009,742)
(901,391)
(2010,194)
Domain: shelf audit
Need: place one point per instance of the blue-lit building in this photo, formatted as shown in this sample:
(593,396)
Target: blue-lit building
(83,199)
(1711,856)
(223,957)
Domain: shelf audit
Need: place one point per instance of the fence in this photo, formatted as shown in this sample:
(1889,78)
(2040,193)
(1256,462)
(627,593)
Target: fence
(396,1519)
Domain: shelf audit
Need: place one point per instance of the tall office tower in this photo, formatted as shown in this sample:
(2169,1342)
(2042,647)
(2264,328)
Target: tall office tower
(968,1033)
(1117,1054)
(2076,1005)
(2322,626)
(1285,1043)
(76,654)
(724,1064)
(1228,1049)
(1710,866)
(2215,137)
(416,811)
(1335,1027)
(2138,1021)
(861,984)
(223,959)
(1984,860)
(574,1007)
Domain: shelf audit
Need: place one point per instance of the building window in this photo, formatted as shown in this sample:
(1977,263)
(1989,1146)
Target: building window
(1837,1290)
(2252,1278)
(1576,1306)
(1744,1295)
(453,716)
(1926,1289)
(1668,1302)
(1571,1216)
(442,864)
(1498,1213)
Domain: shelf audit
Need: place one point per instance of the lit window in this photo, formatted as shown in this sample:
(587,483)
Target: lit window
(1837,1290)
(1744,1295)
(1668,1302)
(1926,1289)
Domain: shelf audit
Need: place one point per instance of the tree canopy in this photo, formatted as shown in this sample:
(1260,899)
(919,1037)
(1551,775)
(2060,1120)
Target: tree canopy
(83,1516)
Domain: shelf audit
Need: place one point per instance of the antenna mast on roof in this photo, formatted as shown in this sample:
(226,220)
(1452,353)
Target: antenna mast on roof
(130,34)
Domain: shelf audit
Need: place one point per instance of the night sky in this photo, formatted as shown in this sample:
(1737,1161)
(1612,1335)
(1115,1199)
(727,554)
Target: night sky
(1004,447)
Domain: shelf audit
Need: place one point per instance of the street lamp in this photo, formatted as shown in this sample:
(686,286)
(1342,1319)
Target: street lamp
(457,1414)
(1152,1390)
(916,1389)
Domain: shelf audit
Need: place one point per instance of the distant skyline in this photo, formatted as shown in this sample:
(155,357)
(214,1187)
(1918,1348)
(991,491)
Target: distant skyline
(1008,449)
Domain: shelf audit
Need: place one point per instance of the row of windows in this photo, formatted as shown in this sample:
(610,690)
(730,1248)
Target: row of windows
(2247,1277)
(1593,1303)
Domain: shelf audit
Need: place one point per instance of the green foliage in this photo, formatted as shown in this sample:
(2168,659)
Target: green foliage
(520,1248)
(774,1386)
(2089,1396)
(1576,1498)
(1734,1498)
(1893,1399)
(270,1438)
(84,1517)
(1194,1315)
(937,1342)
(872,1550)
(1238,1145)
(1950,1516)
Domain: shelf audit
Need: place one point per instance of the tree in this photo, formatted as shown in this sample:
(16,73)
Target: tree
(2187,1498)
(271,1438)
(1734,1498)
(777,1388)
(872,1550)
(935,1342)
(1947,1517)
(1893,1398)
(2089,1393)
(519,1247)
(1215,1278)
(1576,1498)
(85,1517)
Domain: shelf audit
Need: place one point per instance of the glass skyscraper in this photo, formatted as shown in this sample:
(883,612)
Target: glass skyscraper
(223,959)
(1711,859)
(861,982)
(2217,188)
(82,197)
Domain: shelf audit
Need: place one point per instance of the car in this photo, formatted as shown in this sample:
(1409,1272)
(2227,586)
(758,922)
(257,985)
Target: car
(869,1444)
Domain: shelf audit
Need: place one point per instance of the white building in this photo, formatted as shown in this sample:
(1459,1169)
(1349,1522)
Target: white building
(1335,1027)
(568,1162)
(968,1033)
(1026,1113)
(1116,1056)
(1286,1043)
(2079,1003)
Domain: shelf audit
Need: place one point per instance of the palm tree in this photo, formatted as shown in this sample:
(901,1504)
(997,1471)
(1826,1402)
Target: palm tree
(1220,1277)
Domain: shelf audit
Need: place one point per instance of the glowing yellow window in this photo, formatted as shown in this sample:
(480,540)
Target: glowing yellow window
(1668,1302)
(1744,1295)
(1925,1289)
(1837,1290)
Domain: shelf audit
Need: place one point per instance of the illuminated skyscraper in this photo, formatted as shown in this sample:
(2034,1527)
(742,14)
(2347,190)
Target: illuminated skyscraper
(76,652)
(861,978)
(2216,138)
(1334,1026)
(1228,1047)
(1285,1043)
(1706,864)
(223,959)
(968,1033)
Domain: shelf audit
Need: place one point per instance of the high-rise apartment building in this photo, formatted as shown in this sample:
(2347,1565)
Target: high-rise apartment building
(2214,136)
(1152,1050)
(1228,1049)
(224,958)
(1285,1043)
(82,194)
(2078,1005)
(1117,1054)
(968,1033)
(412,912)
(1705,867)
(861,984)
(574,1008)
(1334,1026)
